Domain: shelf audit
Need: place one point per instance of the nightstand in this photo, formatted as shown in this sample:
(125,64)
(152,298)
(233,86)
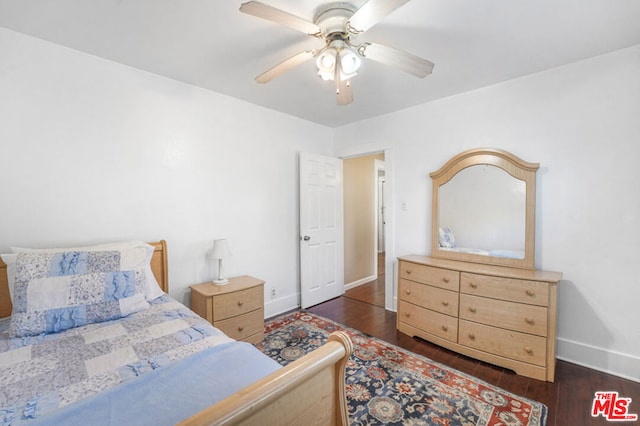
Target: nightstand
(236,308)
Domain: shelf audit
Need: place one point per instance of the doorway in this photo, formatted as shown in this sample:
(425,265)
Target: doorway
(364,228)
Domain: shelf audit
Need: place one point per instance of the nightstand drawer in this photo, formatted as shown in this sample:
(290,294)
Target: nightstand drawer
(243,326)
(236,308)
(237,303)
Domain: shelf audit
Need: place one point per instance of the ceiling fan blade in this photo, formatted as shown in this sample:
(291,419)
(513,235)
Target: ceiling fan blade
(400,59)
(371,13)
(279,16)
(285,66)
(344,93)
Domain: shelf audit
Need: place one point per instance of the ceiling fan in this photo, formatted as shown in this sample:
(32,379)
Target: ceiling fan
(340,58)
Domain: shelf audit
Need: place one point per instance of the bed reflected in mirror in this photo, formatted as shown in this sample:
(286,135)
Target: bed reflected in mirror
(484,209)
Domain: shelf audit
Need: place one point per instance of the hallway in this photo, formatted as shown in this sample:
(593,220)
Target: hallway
(373,291)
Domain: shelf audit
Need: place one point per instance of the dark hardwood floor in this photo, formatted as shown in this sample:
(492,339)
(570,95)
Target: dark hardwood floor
(569,398)
(373,291)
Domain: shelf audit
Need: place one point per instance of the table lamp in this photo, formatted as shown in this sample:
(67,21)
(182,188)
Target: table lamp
(220,251)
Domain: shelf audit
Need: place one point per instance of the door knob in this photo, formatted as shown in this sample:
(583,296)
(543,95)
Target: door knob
(306,238)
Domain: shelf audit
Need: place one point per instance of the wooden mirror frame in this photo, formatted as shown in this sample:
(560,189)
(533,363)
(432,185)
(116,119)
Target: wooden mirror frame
(511,164)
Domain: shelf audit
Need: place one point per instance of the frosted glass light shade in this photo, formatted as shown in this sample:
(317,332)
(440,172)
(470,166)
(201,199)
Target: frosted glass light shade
(343,57)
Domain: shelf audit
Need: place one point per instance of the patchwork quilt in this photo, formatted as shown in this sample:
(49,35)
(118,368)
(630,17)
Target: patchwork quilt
(41,374)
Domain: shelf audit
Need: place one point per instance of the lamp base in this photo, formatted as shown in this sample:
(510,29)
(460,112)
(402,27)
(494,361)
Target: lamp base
(221,281)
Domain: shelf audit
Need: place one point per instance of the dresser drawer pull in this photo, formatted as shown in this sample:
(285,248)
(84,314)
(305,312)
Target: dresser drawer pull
(445,303)
(531,293)
(408,291)
(472,336)
(240,328)
(408,271)
(472,309)
(445,328)
(528,350)
(445,279)
(473,285)
(240,303)
(407,314)
(530,321)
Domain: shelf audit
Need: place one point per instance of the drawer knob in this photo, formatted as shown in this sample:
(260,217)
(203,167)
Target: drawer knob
(240,328)
(408,271)
(445,328)
(445,303)
(530,321)
(472,309)
(445,279)
(473,285)
(240,302)
(531,293)
(528,350)
(472,336)
(408,291)
(407,314)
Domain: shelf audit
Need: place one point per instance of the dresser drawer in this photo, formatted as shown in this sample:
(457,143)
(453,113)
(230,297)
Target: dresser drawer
(514,316)
(432,322)
(531,292)
(237,303)
(436,299)
(509,344)
(438,277)
(243,326)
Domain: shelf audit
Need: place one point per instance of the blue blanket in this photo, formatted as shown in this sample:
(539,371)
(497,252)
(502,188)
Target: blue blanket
(172,393)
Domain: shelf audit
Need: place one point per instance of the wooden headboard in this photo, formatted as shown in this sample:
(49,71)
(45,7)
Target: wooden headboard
(158,266)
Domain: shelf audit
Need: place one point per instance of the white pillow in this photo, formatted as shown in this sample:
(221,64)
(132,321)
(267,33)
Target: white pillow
(153,288)
(445,238)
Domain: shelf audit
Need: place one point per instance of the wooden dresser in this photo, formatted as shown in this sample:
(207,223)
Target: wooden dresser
(504,316)
(236,308)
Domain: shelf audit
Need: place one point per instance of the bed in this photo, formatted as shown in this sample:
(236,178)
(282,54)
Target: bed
(156,362)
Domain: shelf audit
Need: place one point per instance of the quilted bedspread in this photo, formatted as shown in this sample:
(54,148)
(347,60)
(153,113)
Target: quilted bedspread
(41,374)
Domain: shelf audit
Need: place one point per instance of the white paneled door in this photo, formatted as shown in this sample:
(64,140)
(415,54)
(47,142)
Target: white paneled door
(321,229)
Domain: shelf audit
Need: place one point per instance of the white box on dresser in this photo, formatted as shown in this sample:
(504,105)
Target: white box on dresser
(501,315)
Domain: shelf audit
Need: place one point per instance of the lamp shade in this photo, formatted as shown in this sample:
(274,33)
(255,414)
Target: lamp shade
(349,63)
(220,249)
(337,60)
(326,63)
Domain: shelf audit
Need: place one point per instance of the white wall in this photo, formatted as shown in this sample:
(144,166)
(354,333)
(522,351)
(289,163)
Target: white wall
(580,122)
(93,151)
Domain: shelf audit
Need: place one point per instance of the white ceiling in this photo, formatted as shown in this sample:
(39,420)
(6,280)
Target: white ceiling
(209,43)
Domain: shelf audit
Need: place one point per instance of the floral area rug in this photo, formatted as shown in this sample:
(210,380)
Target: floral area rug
(389,385)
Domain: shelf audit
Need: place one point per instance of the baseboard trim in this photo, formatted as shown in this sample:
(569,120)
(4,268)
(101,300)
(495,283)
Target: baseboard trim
(279,306)
(359,282)
(607,361)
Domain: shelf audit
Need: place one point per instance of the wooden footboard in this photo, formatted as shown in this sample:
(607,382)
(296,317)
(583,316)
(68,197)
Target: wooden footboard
(309,391)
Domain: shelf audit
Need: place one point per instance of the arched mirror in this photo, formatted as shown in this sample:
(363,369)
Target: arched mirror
(484,209)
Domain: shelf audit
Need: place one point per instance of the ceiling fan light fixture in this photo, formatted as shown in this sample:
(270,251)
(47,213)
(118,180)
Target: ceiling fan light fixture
(349,63)
(339,60)
(329,59)
(326,63)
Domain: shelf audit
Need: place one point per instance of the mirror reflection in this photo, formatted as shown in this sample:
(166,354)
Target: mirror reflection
(482,210)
